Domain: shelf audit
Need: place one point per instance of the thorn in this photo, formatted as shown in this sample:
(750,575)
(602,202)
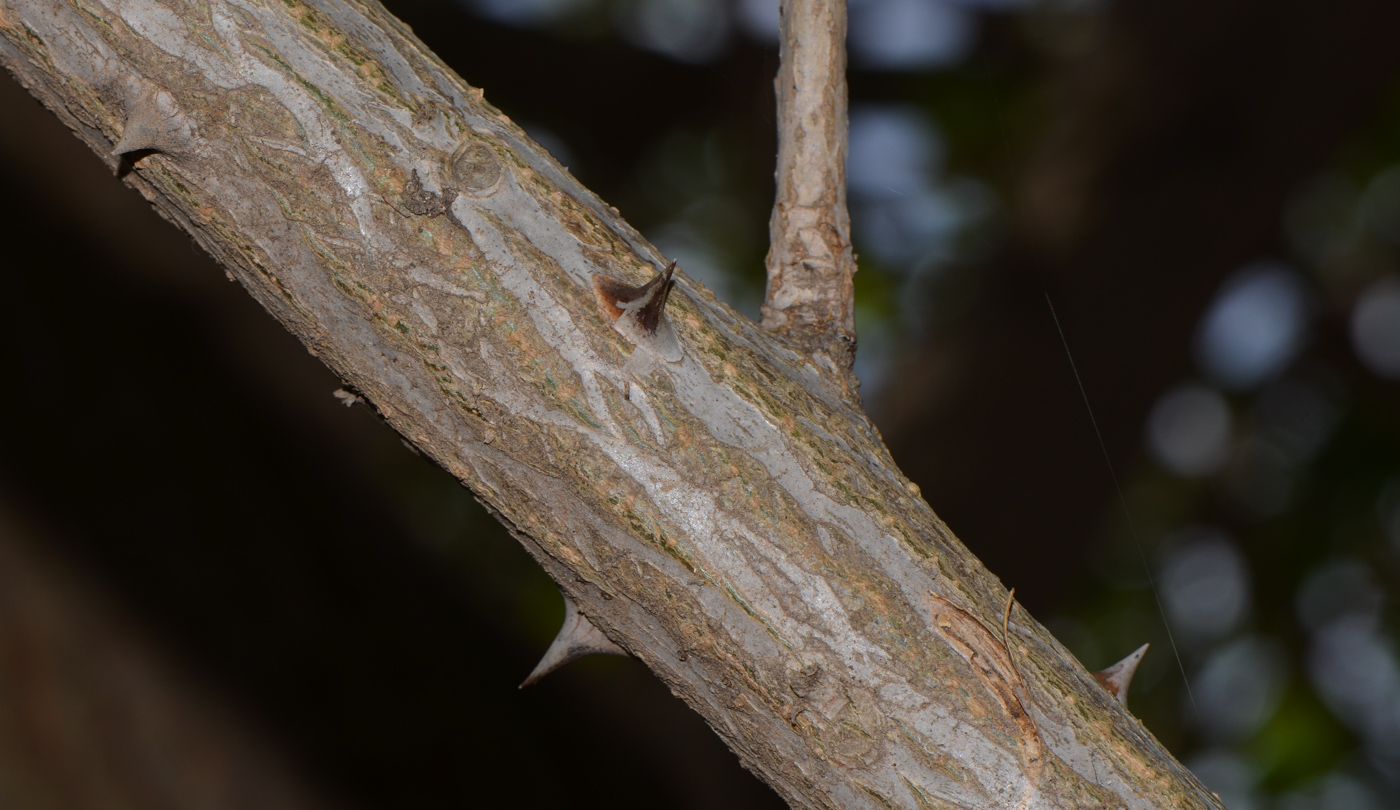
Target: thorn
(639,313)
(1117,677)
(577,638)
(154,124)
(647,302)
(346,398)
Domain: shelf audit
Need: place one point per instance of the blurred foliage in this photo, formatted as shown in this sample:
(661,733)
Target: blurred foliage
(1302,750)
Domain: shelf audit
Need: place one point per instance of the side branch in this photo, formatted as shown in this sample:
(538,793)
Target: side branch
(810,297)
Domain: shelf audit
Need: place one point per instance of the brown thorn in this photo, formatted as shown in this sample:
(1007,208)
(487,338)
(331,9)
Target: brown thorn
(647,301)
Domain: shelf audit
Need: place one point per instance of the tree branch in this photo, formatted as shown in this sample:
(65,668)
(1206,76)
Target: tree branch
(700,492)
(810,297)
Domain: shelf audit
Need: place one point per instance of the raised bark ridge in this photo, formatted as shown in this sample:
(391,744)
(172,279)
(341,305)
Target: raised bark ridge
(729,517)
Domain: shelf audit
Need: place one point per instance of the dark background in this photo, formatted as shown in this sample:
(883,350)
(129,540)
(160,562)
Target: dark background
(219,587)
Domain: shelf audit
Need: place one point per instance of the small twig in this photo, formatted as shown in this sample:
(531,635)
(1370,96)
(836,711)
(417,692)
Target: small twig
(1006,620)
(1006,635)
(810,297)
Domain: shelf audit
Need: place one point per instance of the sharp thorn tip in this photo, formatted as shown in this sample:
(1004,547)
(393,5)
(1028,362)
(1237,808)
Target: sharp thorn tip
(1118,677)
(577,638)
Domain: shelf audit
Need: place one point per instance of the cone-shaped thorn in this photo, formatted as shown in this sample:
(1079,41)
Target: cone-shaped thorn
(154,124)
(646,303)
(1117,677)
(577,638)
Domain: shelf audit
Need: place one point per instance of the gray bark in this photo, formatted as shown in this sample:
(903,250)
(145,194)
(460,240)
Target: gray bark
(720,507)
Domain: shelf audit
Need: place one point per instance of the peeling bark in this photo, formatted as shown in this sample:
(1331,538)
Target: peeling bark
(726,513)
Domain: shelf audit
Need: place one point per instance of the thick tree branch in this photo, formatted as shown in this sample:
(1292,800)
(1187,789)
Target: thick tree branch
(810,297)
(707,500)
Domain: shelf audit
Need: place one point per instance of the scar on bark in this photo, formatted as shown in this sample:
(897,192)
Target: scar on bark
(577,638)
(991,662)
(420,201)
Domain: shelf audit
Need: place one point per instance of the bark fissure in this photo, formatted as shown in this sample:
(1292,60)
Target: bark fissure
(727,514)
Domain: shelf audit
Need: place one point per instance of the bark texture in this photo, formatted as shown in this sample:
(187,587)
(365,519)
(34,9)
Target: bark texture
(729,516)
(810,297)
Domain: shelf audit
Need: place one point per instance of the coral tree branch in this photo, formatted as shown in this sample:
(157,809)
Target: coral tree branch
(714,506)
